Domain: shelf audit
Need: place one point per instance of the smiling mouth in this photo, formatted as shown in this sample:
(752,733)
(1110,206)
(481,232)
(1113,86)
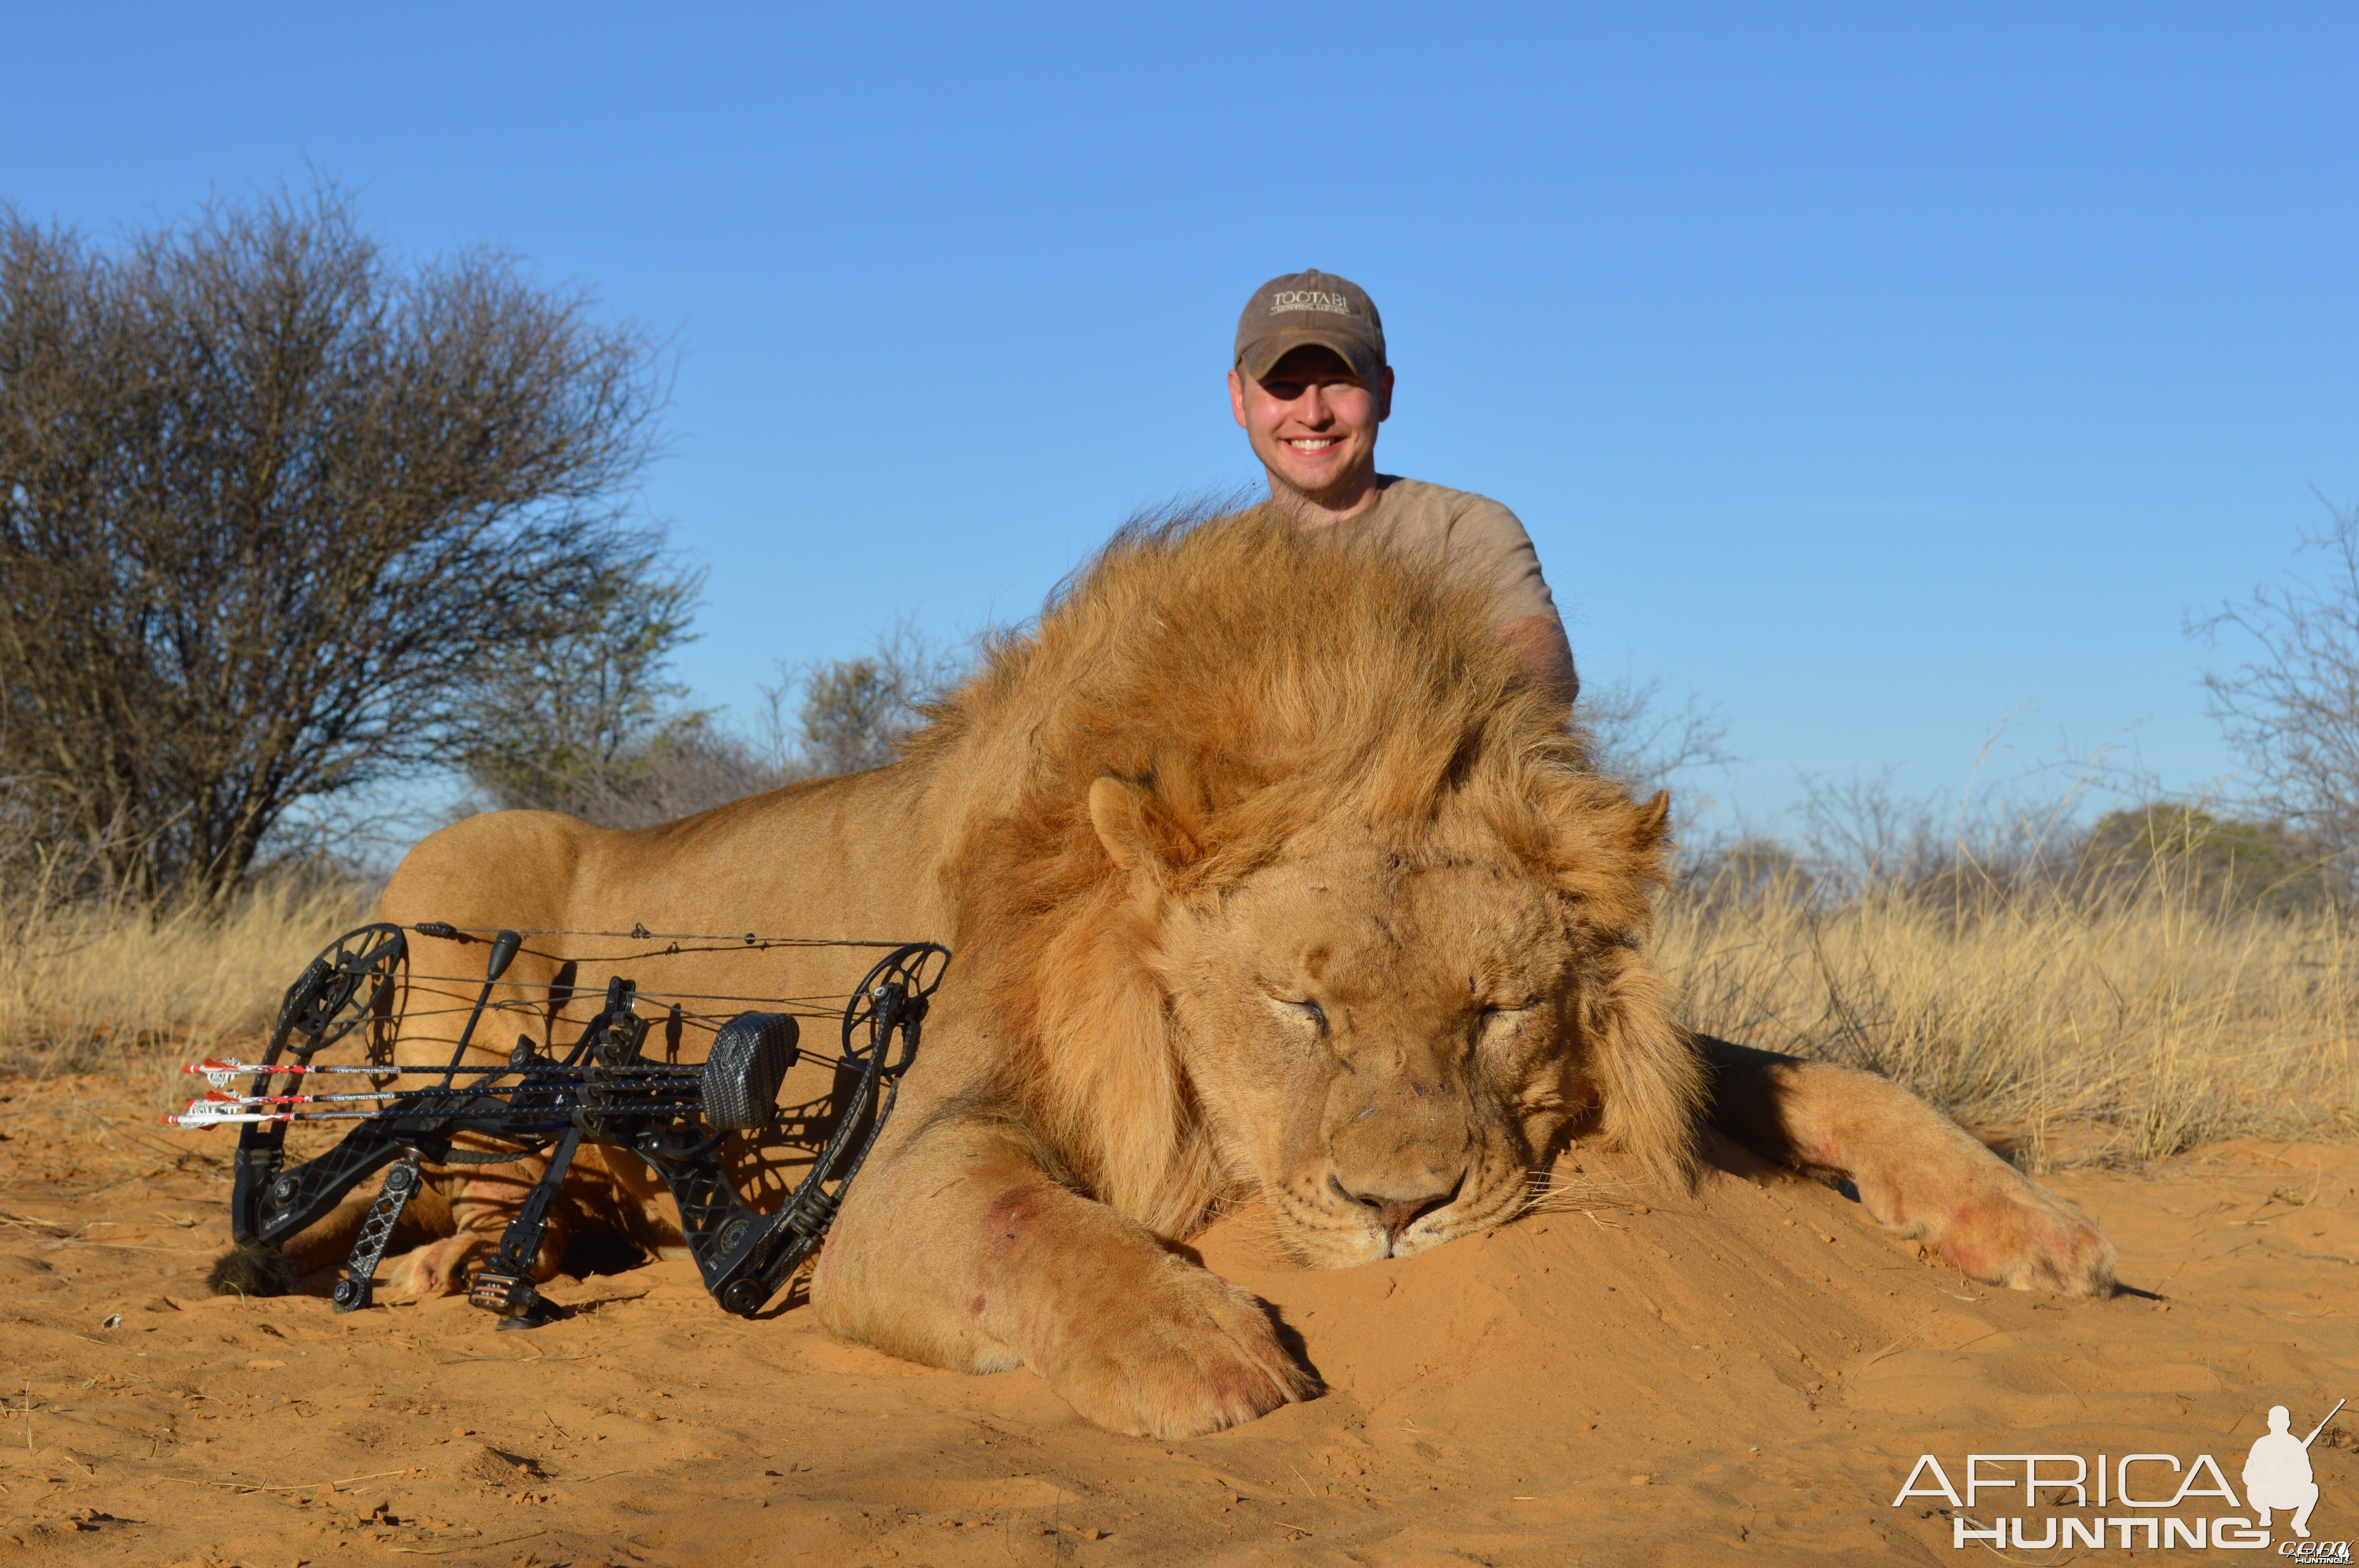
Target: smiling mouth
(1314,443)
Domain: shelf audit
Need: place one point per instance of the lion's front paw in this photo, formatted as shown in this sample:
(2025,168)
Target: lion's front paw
(2012,1231)
(1186,1354)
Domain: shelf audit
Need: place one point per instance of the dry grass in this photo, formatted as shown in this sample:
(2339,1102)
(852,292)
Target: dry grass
(2119,1029)
(85,983)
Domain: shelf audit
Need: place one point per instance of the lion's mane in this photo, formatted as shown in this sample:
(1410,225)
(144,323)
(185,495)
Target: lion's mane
(1254,678)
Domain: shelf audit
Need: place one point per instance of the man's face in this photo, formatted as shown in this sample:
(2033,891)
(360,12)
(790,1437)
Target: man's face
(1312,421)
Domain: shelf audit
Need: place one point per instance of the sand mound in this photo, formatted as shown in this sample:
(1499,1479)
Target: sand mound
(1616,1302)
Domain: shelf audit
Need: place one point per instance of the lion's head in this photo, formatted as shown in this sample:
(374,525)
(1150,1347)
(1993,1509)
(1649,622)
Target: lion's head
(1290,879)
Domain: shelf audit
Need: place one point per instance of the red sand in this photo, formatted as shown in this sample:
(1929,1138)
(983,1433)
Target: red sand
(1747,1373)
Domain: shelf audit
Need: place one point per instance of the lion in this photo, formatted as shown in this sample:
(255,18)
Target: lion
(1265,871)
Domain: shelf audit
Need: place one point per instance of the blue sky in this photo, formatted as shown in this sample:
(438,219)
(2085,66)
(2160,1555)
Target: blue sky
(1877,371)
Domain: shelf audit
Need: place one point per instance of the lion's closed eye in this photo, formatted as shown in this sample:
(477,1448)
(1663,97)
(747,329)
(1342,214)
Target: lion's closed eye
(1303,1008)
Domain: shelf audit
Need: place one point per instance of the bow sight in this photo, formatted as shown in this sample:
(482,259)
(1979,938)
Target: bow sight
(604,1089)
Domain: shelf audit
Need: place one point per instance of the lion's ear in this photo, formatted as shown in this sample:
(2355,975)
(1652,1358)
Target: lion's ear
(1653,825)
(1139,834)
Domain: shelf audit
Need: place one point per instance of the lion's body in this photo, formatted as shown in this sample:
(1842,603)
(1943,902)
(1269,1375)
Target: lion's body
(1264,868)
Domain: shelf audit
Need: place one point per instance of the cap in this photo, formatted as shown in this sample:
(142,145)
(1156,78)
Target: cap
(1311,306)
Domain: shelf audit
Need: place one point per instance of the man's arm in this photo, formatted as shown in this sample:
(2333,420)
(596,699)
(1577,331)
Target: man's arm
(1487,543)
(1539,642)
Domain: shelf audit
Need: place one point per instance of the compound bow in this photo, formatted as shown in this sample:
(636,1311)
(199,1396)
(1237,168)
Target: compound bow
(602,1089)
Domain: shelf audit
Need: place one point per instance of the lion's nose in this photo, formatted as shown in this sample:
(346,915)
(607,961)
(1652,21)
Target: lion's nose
(1396,1214)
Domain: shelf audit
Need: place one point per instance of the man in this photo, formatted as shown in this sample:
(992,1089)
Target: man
(1310,385)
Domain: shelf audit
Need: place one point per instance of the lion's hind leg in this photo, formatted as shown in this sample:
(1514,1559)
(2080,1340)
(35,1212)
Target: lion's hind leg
(310,1261)
(2017,1233)
(482,1201)
(1918,1173)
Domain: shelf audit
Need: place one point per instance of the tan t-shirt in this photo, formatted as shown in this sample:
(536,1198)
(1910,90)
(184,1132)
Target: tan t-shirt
(1476,536)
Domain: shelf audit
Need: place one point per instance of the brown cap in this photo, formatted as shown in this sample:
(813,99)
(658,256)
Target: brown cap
(1311,306)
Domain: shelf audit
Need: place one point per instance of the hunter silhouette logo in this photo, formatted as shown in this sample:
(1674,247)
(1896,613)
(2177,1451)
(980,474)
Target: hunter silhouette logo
(2166,1502)
(2276,1472)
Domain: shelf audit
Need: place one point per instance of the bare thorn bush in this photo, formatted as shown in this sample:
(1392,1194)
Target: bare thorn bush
(270,498)
(1641,742)
(587,725)
(2290,705)
(856,713)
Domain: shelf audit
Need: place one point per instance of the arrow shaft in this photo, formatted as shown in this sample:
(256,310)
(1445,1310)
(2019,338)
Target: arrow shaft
(653,1069)
(549,1118)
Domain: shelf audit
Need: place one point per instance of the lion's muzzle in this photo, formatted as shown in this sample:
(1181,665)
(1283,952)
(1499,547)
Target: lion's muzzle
(1400,1141)
(1393,1214)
